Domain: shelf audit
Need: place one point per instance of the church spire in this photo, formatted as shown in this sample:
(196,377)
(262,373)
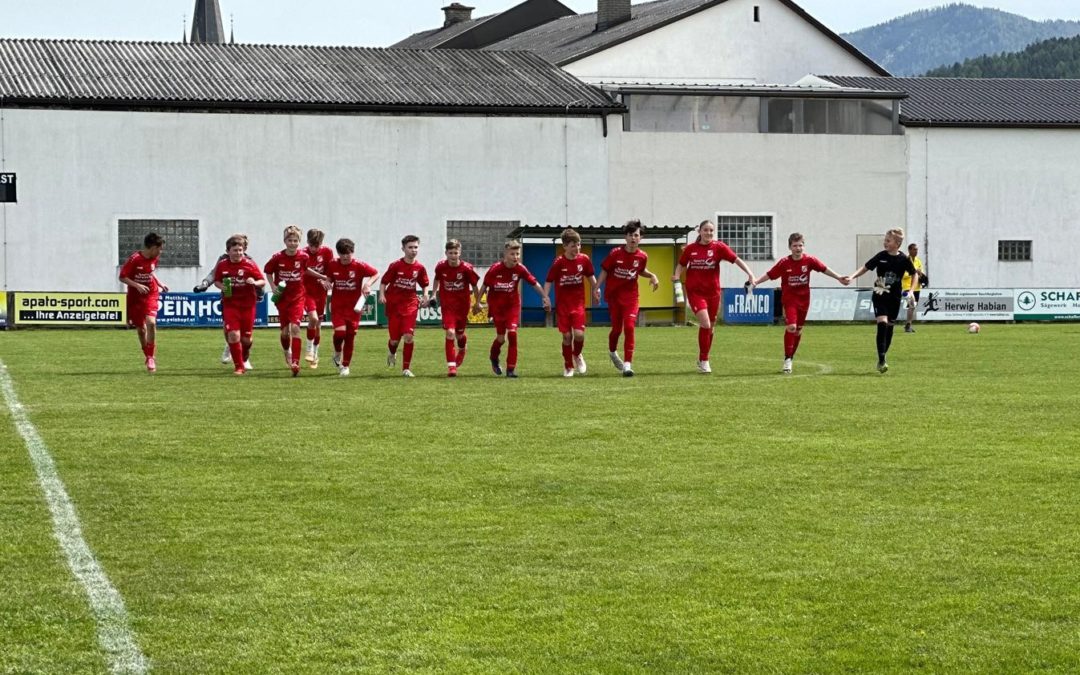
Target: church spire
(206,25)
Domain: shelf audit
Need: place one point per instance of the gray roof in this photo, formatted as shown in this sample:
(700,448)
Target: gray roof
(969,102)
(489,29)
(80,73)
(430,39)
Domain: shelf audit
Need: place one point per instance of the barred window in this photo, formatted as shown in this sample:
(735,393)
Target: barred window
(482,241)
(181,240)
(1014,250)
(750,236)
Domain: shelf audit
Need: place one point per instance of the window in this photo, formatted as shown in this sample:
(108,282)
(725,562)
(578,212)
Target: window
(1010,250)
(829,116)
(750,236)
(181,240)
(482,241)
(692,114)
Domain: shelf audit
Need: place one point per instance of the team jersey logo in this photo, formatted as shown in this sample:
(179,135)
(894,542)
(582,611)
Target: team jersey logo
(352,274)
(636,264)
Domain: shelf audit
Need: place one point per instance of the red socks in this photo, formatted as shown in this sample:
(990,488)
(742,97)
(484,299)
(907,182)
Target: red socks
(579,344)
(512,352)
(407,358)
(451,351)
(350,341)
(295,349)
(704,341)
(237,355)
(568,355)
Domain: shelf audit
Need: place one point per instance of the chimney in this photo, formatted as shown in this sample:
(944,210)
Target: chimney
(456,13)
(611,13)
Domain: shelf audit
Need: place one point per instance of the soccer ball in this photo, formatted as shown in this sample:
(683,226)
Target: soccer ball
(973,327)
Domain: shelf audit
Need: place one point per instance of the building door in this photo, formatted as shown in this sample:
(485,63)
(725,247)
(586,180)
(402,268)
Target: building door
(866,245)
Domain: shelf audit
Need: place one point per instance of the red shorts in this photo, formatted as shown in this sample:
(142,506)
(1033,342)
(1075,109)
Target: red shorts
(455,317)
(139,307)
(505,318)
(570,319)
(315,303)
(240,319)
(289,313)
(401,324)
(706,302)
(344,316)
(795,311)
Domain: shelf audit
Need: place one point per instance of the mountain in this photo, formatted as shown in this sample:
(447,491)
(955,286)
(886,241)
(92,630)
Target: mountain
(1056,58)
(916,42)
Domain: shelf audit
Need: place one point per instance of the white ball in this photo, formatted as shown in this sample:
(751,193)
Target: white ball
(973,327)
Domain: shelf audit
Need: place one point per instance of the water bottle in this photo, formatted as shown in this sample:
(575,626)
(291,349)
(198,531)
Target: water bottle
(226,287)
(680,298)
(279,290)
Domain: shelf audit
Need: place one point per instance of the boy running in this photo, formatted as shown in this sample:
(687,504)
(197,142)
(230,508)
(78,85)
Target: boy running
(143,293)
(621,269)
(794,274)
(700,260)
(398,292)
(568,273)
(286,270)
(349,278)
(208,281)
(890,266)
(315,291)
(239,279)
(504,303)
(454,280)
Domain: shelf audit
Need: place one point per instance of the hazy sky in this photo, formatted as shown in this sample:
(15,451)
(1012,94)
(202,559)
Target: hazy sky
(375,22)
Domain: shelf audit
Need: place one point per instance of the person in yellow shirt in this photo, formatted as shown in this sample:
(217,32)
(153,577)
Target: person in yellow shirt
(911,285)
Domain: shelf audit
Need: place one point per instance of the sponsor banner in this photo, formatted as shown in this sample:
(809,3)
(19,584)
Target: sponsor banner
(964,304)
(742,307)
(69,309)
(839,304)
(371,315)
(1047,304)
(198,310)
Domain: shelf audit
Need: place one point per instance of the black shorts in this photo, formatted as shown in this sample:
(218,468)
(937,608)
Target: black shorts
(887,305)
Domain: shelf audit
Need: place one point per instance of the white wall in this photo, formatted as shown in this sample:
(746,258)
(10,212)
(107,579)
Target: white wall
(829,188)
(368,177)
(723,44)
(970,188)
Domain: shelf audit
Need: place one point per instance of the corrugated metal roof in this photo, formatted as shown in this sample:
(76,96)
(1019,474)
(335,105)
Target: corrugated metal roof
(81,73)
(970,102)
(430,39)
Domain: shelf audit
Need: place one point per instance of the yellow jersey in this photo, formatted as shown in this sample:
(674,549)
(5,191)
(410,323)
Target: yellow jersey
(905,283)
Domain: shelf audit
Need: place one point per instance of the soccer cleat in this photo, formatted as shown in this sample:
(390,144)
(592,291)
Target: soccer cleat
(226,355)
(310,356)
(295,368)
(579,364)
(787,367)
(495,367)
(568,372)
(337,359)
(909,329)
(451,371)
(151,364)
(391,359)
(343,371)
(238,371)
(407,373)
(248,366)
(616,361)
(510,373)
(314,363)
(704,367)
(882,367)
(628,370)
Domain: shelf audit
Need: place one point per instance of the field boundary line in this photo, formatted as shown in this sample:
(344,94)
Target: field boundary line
(113,631)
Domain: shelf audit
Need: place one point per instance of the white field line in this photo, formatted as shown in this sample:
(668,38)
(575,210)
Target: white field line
(113,631)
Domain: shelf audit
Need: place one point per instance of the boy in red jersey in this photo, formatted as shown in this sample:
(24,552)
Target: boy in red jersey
(794,274)
(569,273)
(349,278)
(504,303)
(208,281)
(286,271)
(143,294)
(454,280)
(239,279)
(701,261)
(398,292)
(315,291)
(621,269)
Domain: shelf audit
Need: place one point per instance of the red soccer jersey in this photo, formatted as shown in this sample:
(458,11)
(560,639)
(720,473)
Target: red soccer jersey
(317,261)
(348,281)
(502,283)
(290,269)
(623,268)
(402,280)
(141,269)
(454,283)
(569,276)
(702,264)
(794,276)
(244,295)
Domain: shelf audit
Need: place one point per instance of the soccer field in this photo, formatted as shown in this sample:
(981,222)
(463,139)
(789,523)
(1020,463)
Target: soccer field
(745,521)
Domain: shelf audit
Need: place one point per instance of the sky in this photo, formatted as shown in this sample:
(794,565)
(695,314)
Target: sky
(377,23)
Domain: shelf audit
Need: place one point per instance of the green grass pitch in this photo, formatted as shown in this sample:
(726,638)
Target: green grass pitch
(834,520)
